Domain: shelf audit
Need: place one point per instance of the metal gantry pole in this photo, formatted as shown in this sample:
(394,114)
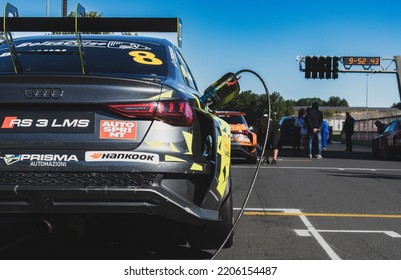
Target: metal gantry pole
(367,106)
(64,8)
(368,68)
(398,72)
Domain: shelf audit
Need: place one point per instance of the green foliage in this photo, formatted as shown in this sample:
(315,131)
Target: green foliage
(247,102)
(255,105)
(335,101)
(90,14)
(307,102)
(397,105)
(328,114)
(279,106)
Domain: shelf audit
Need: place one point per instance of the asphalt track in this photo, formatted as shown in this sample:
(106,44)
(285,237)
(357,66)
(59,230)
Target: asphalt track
(344,206)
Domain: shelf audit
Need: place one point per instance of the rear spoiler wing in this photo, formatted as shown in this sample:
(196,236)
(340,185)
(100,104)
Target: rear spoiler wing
(66,24)
(79,24)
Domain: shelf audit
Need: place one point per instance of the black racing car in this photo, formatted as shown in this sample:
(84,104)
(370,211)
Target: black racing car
(287,131)
(388,143)
(110,124)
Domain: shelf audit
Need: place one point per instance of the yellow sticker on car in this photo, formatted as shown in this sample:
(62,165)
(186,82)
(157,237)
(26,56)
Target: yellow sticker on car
(224,150)
(144,57)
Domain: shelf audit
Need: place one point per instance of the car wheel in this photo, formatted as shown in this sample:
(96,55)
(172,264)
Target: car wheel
(213,234)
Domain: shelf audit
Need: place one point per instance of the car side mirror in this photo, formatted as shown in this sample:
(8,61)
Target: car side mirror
(220,92)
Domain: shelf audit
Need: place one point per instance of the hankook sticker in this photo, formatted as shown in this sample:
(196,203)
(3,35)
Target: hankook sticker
(118,156)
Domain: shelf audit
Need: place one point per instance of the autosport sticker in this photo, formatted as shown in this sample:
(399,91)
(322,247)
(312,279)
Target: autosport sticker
(39,160)
(47,123)
(112,129)
(117,156)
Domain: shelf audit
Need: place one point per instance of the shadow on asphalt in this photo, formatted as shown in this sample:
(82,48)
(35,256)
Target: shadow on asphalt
(61,248)
(363,175)
(337,151)
(333,151)
(146,242)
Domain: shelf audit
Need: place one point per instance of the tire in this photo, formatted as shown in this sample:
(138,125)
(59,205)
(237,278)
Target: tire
(212,235)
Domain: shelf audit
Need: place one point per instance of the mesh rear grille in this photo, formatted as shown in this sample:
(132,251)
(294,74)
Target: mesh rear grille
(76,179)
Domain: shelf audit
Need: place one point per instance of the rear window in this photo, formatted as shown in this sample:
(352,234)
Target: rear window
(287,122)
(233,119)
(102,56)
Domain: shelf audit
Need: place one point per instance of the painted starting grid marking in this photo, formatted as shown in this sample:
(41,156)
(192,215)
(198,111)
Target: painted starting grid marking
(306,233)
(316,168)
(312,231)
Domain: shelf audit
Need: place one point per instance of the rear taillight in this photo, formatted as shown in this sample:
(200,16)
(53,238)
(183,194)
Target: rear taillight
(144,110)
(177,113)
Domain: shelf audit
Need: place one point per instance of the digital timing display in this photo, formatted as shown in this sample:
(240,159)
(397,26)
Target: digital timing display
(361,60)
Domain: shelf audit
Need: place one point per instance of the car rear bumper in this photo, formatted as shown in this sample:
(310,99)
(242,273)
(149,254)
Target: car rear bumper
(152,193)
(238,150)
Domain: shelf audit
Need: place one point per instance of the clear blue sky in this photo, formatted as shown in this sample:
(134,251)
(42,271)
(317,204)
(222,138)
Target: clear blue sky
(266,36)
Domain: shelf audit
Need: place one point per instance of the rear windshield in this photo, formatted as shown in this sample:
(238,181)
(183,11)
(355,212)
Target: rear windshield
(233,119)
(102,56)
(287,122)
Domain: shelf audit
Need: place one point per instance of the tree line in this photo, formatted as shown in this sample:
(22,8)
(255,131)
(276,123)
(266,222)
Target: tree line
(255,105)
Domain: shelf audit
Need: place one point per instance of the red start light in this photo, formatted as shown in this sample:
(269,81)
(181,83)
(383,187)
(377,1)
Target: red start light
(177,113)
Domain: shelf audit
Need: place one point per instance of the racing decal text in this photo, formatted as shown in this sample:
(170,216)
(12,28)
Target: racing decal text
(11,122)
(112,129)
(122,156)
(87,43)
(33,122)
(53,160)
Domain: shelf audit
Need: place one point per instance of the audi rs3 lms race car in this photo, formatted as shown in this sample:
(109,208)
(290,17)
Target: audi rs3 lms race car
(109,124)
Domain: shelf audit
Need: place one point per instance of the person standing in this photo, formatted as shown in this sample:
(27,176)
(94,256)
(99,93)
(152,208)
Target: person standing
(380,126)
(314,123)
(299,123)
(349,131)
(325,134)
(272,140)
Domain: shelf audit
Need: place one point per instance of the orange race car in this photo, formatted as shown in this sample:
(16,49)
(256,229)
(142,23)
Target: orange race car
(243,141)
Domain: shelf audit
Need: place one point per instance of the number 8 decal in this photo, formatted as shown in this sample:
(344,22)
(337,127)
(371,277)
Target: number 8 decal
(143,57)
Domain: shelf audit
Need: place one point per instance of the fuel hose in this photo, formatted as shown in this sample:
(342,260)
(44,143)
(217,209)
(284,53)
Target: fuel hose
(259,162)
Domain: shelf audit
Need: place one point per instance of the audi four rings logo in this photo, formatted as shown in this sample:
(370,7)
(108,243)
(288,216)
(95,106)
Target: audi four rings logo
(47,93)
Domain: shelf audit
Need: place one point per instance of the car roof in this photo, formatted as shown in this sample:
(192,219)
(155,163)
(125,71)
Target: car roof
(230,113)
(132,38)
